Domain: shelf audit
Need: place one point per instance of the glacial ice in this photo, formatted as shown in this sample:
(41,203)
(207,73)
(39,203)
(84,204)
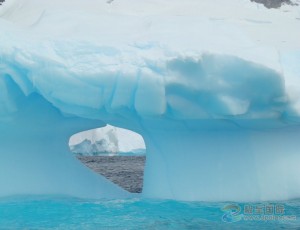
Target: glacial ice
(214,91)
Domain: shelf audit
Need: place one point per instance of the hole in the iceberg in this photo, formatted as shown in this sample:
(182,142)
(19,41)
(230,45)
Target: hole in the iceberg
(118,154)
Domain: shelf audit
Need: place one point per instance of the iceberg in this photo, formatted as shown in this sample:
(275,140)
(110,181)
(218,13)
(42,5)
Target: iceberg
(108,140)
(212,87)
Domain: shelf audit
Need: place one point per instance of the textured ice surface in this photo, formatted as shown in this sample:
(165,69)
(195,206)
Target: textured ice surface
(214,91)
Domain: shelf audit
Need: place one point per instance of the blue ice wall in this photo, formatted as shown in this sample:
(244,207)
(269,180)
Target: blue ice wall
(223,165)
(35,157)
(217,105)
(222,131)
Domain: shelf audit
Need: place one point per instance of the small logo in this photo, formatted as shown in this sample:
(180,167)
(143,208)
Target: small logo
(232,213)
(256,212)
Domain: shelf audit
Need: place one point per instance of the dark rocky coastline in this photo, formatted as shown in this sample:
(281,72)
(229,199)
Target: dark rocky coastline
(273,3)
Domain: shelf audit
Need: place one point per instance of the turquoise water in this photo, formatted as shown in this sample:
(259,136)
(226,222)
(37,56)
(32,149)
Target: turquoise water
(70,213)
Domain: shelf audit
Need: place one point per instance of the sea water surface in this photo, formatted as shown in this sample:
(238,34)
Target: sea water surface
(55,212)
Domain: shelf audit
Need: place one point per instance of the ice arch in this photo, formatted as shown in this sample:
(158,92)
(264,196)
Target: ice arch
(191,156)
(116,153)
(217,106)
(35,158)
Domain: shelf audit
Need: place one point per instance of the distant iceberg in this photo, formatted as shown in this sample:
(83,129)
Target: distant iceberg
(108,140)
(212,86)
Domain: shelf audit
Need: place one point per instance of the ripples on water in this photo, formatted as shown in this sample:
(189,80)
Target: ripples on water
(69,213)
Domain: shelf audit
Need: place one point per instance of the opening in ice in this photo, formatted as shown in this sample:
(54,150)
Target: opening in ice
(117,154)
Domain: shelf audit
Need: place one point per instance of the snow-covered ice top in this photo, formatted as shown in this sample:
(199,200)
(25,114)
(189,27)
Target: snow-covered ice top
(180,60)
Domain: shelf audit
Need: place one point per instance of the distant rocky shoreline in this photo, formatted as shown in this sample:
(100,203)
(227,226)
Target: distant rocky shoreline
(125,171)
(273,3)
